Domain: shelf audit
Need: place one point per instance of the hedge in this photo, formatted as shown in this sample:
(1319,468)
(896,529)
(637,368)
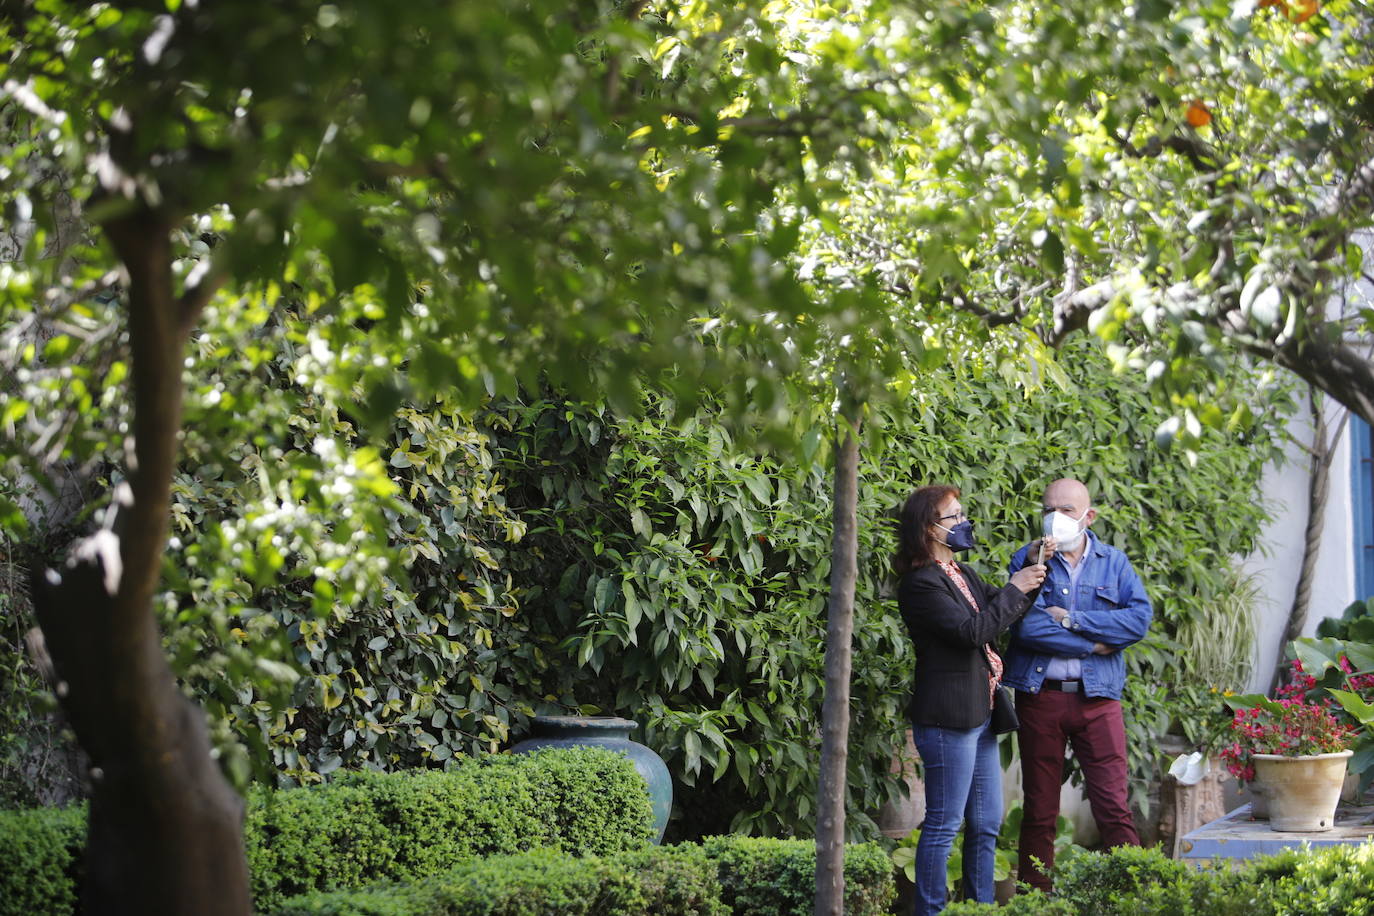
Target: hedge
(371,826)
(760,876)
(744,876)
(40,860)
(667,881)
(1336,881)
(1331,881)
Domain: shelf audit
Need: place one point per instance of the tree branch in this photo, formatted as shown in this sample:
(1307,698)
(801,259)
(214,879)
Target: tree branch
(1198,154)
(142,240)
(1071,312)
(1358,194)
(198,293)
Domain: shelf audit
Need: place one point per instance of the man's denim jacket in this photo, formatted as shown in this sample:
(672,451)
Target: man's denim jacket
(1112,609)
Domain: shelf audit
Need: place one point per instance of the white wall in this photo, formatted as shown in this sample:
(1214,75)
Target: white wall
(1285,487)
(1277,563)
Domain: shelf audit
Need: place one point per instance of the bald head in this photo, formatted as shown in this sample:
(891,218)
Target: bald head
(1068,496)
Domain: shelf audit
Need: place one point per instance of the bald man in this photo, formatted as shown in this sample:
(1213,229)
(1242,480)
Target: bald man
(1066,666)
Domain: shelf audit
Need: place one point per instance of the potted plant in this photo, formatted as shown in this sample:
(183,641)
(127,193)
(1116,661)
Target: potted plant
(1298,751)
(1343,669)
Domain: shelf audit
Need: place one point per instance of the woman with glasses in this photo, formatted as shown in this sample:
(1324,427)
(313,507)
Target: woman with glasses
(953,618)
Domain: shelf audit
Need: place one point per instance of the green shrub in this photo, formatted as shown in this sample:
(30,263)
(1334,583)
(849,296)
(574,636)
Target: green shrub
(370,826)
(1130,881)
(40,860)
(1335,881)
(743,876)
(1034,903)
(761,876)
(666,881)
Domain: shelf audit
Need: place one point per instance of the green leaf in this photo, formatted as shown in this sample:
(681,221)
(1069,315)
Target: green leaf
(632,610)
(1352,703)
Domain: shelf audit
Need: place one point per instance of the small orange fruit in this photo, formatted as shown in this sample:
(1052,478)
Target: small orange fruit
(1198,115)
(1303,10)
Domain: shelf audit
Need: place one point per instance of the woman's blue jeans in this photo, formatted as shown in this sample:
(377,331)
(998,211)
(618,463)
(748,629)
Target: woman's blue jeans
(963,778)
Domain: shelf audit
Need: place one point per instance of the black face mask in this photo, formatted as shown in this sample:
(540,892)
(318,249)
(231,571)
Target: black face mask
(960,537)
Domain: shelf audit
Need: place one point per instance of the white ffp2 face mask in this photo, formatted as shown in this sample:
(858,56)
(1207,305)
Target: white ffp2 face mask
(1065,529)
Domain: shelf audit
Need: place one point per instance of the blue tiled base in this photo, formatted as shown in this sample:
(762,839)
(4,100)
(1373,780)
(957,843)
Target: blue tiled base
(1236,836)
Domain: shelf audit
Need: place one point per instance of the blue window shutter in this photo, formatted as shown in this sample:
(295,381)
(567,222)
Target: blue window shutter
(1362,494)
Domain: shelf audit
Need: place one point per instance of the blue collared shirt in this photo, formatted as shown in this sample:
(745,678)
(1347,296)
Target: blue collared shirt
(1061,668)
(1108,605)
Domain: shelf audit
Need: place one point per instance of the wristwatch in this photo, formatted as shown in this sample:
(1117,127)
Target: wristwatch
(1065,622)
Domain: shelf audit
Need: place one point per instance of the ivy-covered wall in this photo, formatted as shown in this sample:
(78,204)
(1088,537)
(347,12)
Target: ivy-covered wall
(691,575)
(550,556)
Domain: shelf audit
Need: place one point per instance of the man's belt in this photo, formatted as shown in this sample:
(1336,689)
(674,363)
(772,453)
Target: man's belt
(1063,686)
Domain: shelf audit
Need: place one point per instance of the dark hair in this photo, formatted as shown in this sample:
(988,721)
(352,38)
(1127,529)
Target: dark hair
(918,513)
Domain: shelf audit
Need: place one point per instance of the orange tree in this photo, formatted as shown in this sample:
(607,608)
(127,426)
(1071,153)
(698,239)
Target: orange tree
(457,198)
(461,198)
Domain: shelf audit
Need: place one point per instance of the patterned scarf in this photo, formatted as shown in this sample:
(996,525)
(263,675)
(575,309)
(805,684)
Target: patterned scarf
(994,660)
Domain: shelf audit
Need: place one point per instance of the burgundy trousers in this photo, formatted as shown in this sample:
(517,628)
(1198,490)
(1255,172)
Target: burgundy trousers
(1093,726)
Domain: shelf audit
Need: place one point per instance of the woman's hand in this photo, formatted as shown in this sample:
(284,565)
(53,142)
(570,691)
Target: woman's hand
(1033,549)
(1028,578)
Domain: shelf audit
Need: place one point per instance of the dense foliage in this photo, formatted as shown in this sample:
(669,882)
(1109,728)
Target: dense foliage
(725,875)
(41,849)
(661,539)
(674,577)
(763,876)
(465,198)
(373,826)
(554,556)
(672,881)
(1331,881)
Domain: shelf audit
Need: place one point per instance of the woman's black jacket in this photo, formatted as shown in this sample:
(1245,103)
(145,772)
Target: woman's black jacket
(951,683)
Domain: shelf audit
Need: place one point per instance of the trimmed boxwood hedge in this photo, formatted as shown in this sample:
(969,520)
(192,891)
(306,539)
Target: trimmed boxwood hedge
(41,860)
(667,881)
(745,876)
(760,876)
(371,826)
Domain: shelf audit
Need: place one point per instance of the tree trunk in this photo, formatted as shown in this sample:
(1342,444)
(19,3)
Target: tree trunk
(165,831)
(830,828)
(1318,487)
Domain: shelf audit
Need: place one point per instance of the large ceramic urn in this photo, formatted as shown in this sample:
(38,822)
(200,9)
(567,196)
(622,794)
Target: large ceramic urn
(608,732)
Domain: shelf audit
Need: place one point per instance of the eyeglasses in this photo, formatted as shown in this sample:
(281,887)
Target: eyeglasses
(959,517)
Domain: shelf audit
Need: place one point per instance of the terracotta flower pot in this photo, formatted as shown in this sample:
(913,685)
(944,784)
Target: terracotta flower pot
(1303,791)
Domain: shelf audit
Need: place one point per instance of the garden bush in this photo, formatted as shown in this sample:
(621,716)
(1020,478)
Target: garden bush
(763,876)
(1034,903)
(666,881)
(367,825)
(370,826)
(742,876)
(1131,881)
(1332,881)
(41,860)
(1335,881)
